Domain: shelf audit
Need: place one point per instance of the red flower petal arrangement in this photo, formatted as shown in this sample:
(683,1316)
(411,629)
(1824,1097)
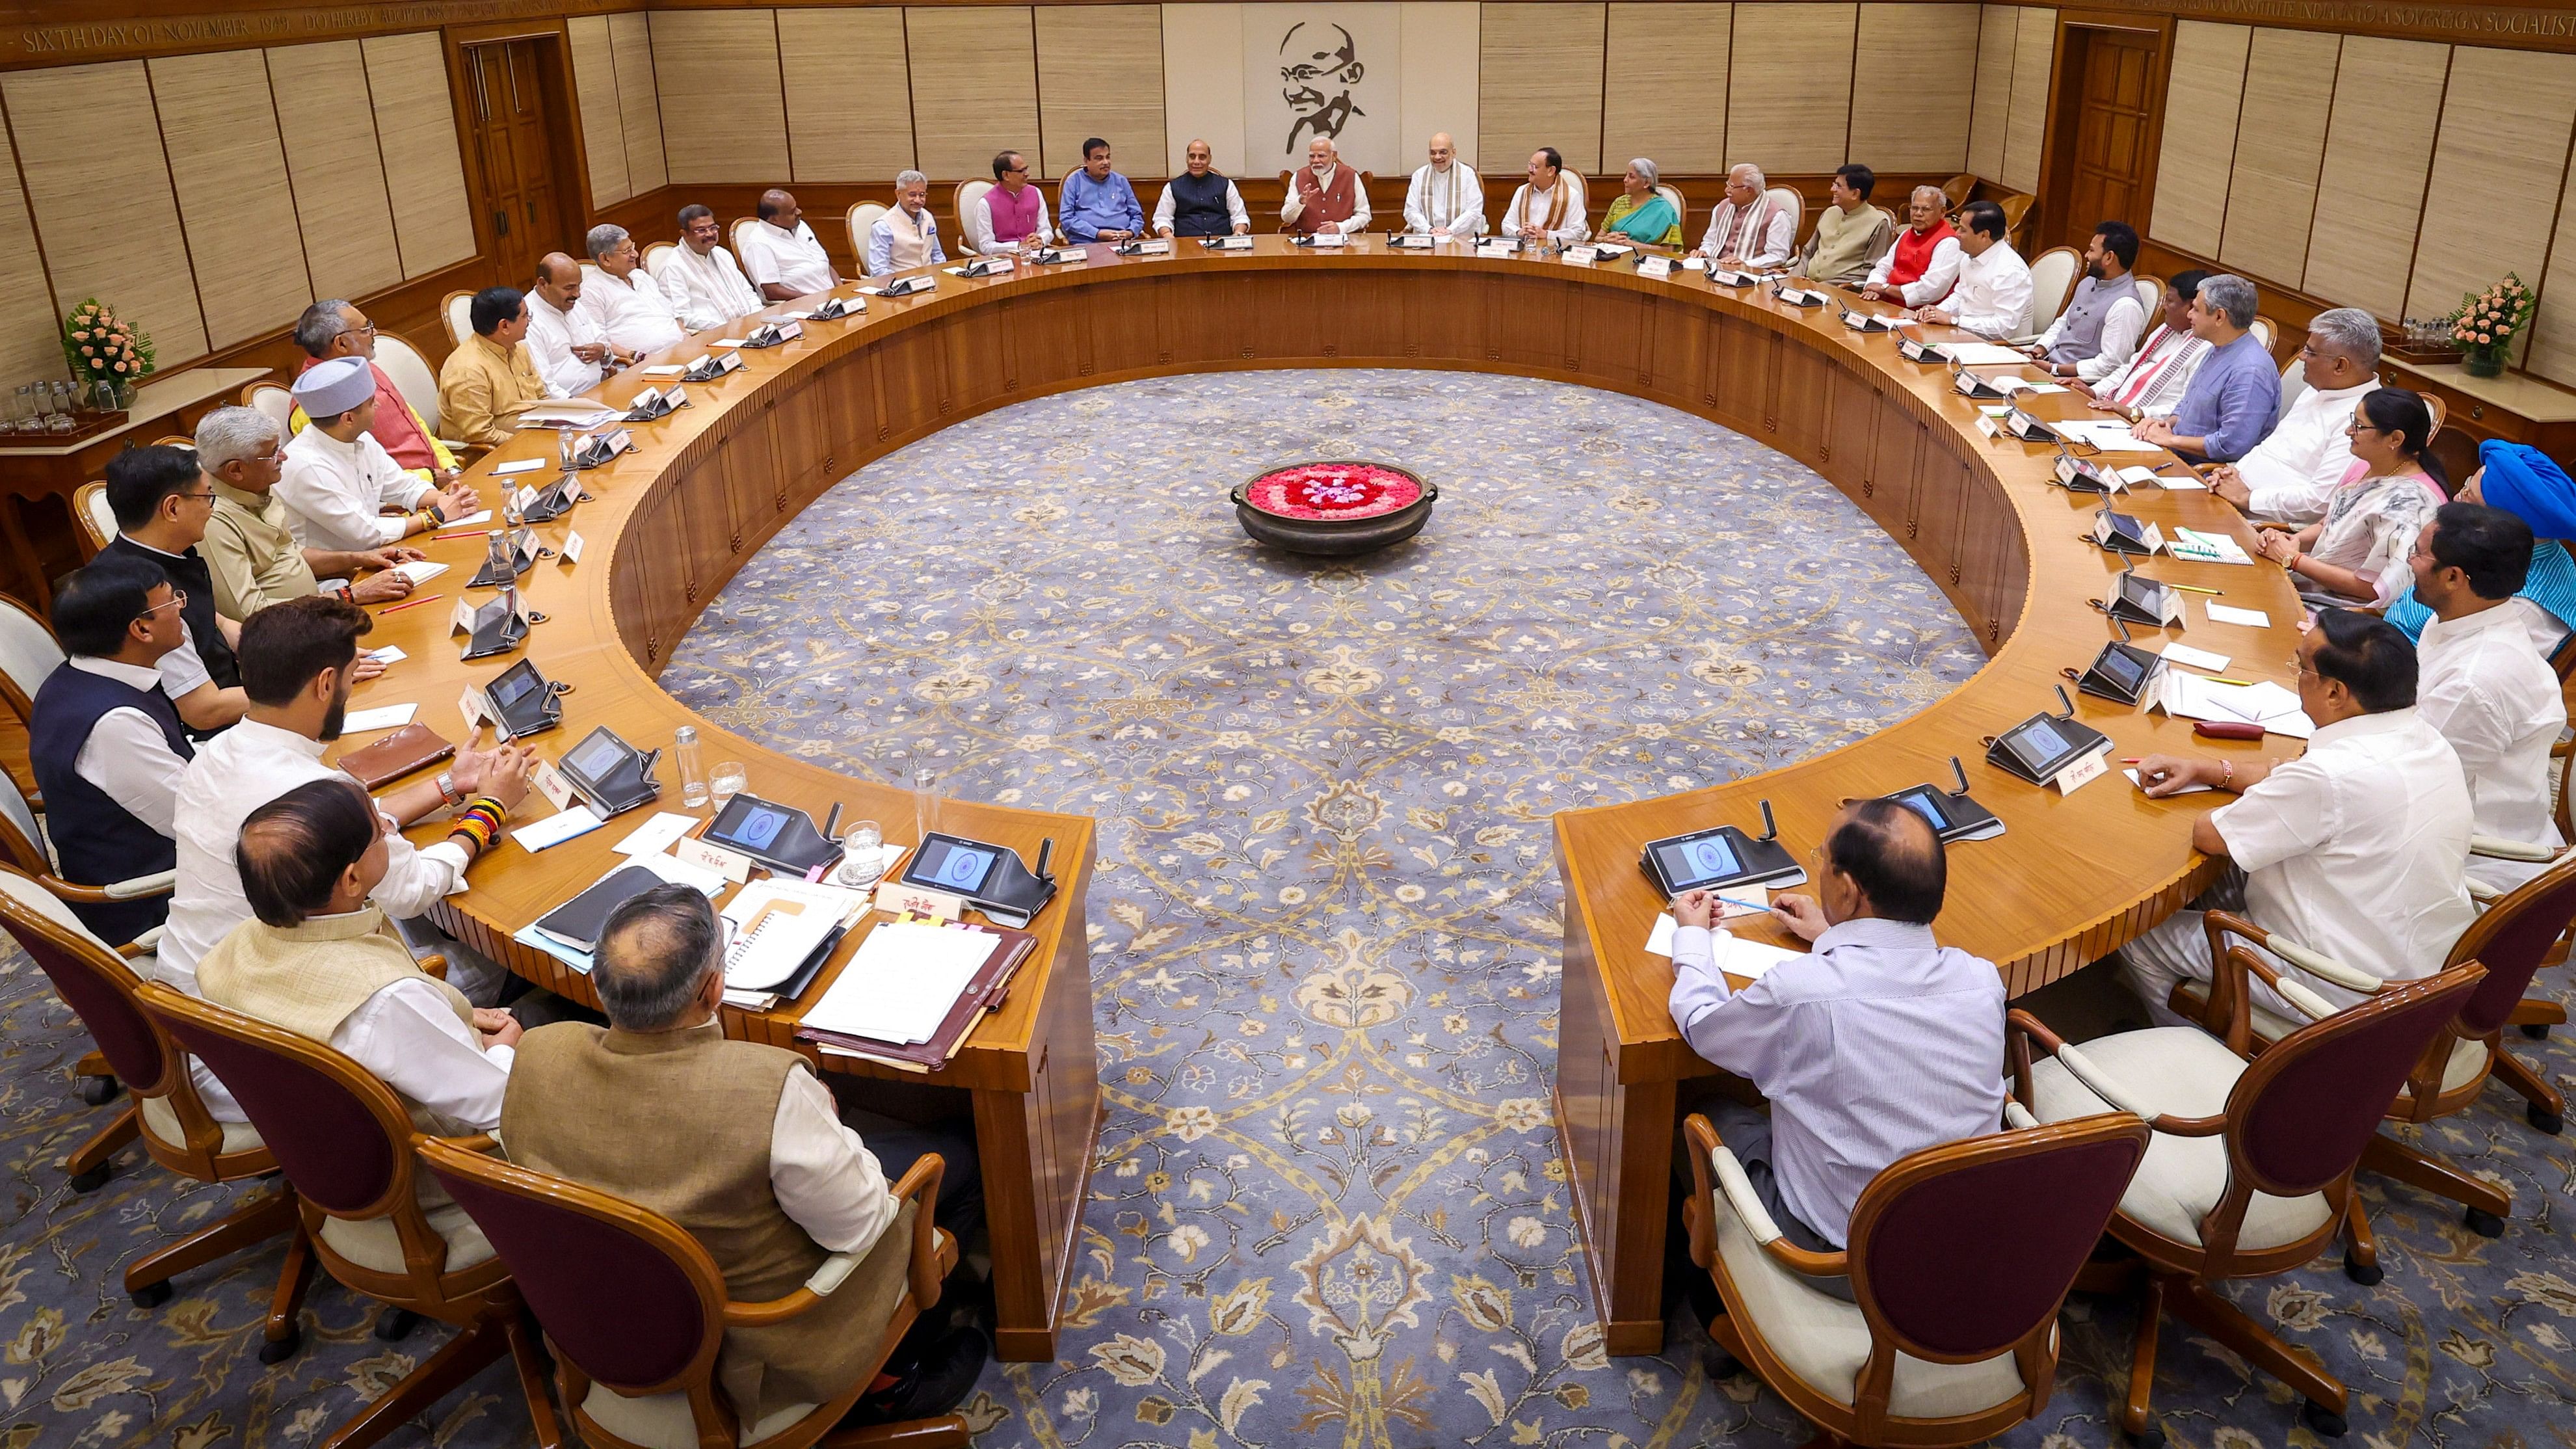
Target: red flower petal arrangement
(1336,492)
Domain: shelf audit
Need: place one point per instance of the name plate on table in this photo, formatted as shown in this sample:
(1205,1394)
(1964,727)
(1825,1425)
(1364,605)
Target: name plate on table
(1659,268)
(1610,251)
(1731,279)
(732,867)
(1142,248)
(598,448)
(1799,297)
(1971,384)
(2027,428)
(1060,256)
(836,308)
(1227,243)
(910,286)
(1583,254)
(1916,350)
(1323,239)
(2078,476)
(987,267)
(712,366)
(1413,241)
(1498,246)
(653,403)
(774,334)
(1867,321)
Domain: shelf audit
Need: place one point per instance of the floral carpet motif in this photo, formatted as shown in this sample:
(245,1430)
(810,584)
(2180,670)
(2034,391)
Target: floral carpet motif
(1329,1206)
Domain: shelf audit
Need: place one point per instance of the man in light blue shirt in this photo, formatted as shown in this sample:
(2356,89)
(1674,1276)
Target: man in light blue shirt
(2232,398)
(908,236)
(1878,1043)
(1095,204)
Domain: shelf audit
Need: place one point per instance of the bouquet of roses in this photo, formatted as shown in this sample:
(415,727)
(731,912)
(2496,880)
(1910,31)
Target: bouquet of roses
(102,347)
(2488,320)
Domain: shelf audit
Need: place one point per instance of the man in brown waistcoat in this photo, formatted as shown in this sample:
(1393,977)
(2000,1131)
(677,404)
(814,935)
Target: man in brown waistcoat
(742,1147)
(1324,194)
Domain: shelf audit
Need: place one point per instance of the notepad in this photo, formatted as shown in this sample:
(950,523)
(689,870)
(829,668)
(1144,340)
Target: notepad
(388,654)
(655,835)
(2202,546)
(555,829)
(419,571)
(523,465)
(483,517)
(666,369)
(774,936)
(2185,790)
(391,716)
(2196,658)
(578,922)
(902,983)
(1984,354)
(2230,614)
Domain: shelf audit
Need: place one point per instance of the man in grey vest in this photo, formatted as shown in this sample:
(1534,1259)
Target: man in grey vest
(2099,330)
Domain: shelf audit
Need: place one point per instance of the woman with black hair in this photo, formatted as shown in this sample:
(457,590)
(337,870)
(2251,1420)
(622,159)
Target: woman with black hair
(2358,552)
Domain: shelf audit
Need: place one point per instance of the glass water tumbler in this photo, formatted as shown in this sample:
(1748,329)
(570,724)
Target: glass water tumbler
(692,766)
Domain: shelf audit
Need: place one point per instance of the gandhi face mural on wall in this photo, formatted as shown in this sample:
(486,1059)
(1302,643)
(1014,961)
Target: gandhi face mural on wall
(1305,78)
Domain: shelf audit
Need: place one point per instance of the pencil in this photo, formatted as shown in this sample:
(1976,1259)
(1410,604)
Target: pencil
(484,532)
(2217,679)
(2186,588)
(412,603)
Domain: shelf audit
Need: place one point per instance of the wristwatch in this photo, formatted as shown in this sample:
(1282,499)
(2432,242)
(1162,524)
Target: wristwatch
(447,790)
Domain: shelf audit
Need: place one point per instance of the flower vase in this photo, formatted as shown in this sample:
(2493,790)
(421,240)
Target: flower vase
(2486,361)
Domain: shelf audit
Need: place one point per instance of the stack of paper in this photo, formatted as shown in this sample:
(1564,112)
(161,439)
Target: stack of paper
(2103,436)
(571,412)
(903,982)
(1984,354)
(2189,696)
(676,872)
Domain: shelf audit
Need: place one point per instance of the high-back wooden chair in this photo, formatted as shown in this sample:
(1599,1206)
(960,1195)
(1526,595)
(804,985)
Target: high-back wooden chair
(862,219)
(28,652)
(657,256)
(166,1114)
(24,848)
(1956,191)
(97,520)
(637,1368)
(2053,275)
(456,314)
(275,403)
(970,194)
(2250,1170)
(1952,1334)
(346,1144)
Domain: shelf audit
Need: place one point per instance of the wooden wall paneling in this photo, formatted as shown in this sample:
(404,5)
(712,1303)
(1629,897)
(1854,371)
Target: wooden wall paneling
(2505,124)
(2199,149)
(30,343)
(2552,349)
(1990,543)
(752,476)
(228,172)
(1937,527)
(1901,127)
(603,121)
(972,381)
(1204,101)
(328,125)
(639,101)
(849,93)
(1746,373)
(1666,99)
(724,115)
(1806,390)
(89,150)
(2026,123)
(1539,83)
(1887,478)
(1443,97)
(416,135)
(2370,185)
(1377,329)
(910,391)
(974,86)
(705,518)
(1788,96)
(2280,144)
(1100,73)
(1990,104)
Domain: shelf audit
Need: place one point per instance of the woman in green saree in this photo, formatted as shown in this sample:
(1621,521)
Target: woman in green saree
(1642,213)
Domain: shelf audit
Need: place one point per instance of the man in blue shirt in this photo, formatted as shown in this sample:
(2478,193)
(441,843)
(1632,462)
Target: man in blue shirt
(2232,399)
(1096,204)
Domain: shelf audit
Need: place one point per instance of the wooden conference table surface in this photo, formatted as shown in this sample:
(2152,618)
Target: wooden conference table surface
(668,523)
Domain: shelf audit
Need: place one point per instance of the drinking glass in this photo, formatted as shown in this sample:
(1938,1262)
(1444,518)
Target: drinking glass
(21,416)
(862,855)
(693,769)
(925,800)
(727,781)
(62,420)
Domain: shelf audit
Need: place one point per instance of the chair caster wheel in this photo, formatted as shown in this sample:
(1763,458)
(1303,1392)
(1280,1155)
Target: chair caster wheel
(2367,1275)
(98,1091)
(2536,1031)
(396,1324)
(2322,1420)
(1718,1364)
(151,1295)
(94,1179)
(2484,1224)
(2543,1120)
(2150,1437)
(280,1350)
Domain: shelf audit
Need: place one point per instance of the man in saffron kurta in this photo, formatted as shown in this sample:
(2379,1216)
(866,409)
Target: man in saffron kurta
(1924,264)
(1325,196)
(332,328)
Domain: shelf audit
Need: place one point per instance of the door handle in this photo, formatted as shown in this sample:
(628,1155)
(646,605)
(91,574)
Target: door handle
(500,223)
(532,212)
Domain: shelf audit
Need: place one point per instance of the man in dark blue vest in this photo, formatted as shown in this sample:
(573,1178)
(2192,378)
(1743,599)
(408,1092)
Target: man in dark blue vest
(106,742)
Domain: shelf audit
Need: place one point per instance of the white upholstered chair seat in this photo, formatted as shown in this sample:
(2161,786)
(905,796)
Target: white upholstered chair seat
(163,1125)
(373,1244)
(2177,1071)
(1825,1341)
(662,1421)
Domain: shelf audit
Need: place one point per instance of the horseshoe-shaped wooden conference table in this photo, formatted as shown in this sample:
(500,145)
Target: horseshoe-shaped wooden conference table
(668,524)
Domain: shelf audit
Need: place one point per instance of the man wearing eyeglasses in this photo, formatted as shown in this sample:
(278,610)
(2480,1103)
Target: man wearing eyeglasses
(106,742)
(332,328)
(161,504)
(1012,215)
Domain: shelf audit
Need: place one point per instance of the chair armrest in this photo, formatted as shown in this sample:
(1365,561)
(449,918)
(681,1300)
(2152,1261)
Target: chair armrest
(2315,963)
(143,945)
(2018,1116)
(2482,893)
(159,883)
(2496,847)
(1737,1190)
(919,1186)
(2297,993)
(832,1273)
(2023,1029)
(433,965)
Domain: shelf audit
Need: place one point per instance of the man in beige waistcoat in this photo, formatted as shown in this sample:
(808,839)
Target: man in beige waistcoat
(744,1149)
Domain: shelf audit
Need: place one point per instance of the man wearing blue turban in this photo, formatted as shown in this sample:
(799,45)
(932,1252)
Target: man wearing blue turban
(2523,481)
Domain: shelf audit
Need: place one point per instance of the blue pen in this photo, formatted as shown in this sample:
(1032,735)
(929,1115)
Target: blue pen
(1748,905)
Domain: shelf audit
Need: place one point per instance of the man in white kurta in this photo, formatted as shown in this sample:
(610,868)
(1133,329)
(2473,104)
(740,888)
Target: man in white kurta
(2301,462)
(1992,295)
(337,481)
(2484,687)
(1749,229)
(1011,196)
(780,253)
(702,277)
(1548,206)
(1923,265)
(2357,849)
(564,338)
(632,310)
(1446,198)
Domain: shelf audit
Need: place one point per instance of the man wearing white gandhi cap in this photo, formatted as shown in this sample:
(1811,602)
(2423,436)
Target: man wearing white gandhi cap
(338,480)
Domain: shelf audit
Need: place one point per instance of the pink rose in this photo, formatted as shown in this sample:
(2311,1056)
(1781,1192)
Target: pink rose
(2482,337)
(120,367)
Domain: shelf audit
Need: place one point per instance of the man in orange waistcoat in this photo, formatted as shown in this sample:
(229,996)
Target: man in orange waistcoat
(1326,195)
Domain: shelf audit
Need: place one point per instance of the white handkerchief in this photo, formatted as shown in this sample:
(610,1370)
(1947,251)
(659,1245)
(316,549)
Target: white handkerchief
(2230,614)
(524,465)
(391,716)
(2196,658)
(556,829)
(419,571)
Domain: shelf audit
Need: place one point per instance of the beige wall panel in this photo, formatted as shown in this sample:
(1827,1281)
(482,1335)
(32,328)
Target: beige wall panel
(91,155)
(338,174)
(30,345)
(1897,127)
(1788,103)
(603,124)
(1538,83)
(1100,73)
(974,86)
(724,119)
(416,134)
(2551,351)
(1203,102)
(2370,190)
(2199,148)
(229,173)
(2026,128)
(1665,96)
(2280,143)
(1990,101)
(630,40)
(1442,41)
(849,98)
(2505,124)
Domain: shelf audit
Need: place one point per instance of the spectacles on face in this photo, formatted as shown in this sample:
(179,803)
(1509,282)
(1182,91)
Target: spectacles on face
(2299,666)
(206,497)
(178,600)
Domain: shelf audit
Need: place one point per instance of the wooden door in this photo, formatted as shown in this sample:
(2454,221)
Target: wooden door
(520,200)
(2107,175)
